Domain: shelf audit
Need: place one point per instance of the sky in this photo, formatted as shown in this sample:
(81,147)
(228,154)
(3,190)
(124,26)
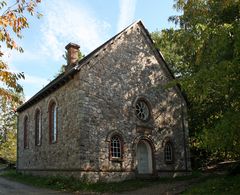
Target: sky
(89,23)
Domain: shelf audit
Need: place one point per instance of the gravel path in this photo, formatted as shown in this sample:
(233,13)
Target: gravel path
(8,187)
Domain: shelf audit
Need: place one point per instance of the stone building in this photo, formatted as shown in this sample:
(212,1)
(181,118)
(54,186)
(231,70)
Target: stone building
(108,117)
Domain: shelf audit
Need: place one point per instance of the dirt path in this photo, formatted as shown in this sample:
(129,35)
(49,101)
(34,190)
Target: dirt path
(8,187)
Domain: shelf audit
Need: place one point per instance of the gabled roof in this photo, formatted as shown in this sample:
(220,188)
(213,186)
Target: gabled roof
(63,78)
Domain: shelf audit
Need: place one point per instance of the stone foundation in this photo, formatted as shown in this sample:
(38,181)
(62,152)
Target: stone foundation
(94,176)
(86,176)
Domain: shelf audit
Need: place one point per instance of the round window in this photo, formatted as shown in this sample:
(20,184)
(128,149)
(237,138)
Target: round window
(142,110)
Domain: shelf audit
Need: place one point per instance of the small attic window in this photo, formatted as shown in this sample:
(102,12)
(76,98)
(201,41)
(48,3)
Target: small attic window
(142,110)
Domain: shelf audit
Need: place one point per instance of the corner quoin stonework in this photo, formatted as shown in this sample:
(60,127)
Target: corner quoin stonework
(97,101)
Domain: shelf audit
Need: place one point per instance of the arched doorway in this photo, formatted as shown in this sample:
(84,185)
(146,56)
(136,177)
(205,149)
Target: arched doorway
(144,158)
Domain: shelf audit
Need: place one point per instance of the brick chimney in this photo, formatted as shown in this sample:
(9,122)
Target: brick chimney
(72,54)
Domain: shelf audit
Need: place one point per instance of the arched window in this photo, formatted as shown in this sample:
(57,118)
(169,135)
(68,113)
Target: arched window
(116,148)
(142,110)
(168,152)
(38,128)
(53,122)
(25,133)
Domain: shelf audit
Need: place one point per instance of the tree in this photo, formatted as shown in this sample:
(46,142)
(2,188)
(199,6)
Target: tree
(8,128)
(172,53)
(13,21)
(206,54)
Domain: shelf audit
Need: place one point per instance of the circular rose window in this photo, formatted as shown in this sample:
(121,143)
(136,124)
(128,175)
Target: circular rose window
(142,110)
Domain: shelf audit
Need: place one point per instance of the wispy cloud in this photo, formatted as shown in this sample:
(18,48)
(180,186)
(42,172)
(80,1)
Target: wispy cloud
(127,11)
(31,84)
(38,82)
(65,22)
(62,22)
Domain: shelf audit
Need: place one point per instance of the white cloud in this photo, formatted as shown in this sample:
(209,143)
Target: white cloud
(127,11)
(62,22)
(65,22)
(32,84)
(38,82)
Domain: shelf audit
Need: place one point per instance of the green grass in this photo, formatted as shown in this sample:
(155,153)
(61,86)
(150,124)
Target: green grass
(217,184)
(72,184)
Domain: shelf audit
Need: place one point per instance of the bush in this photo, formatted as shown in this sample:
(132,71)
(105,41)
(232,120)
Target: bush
(235,170)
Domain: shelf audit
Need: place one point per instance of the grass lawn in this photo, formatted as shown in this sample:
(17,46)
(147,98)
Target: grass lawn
(71,184)
(217,184)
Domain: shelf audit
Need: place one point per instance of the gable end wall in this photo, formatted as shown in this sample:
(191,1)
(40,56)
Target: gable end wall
(100,101)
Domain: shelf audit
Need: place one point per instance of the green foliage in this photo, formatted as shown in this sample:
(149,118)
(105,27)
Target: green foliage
(13,21)
(170,49)
(235,169)
(8,148)
(227,139)
(8,128)
(204,53)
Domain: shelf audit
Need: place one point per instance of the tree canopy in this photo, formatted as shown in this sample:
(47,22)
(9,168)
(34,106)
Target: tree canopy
(8,128)
(13,20)
(204,54)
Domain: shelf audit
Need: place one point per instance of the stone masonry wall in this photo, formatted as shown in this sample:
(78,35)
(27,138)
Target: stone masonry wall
(63,154)
(126,71)
(100,101)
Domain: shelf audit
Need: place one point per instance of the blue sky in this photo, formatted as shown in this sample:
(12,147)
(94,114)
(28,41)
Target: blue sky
(88,23)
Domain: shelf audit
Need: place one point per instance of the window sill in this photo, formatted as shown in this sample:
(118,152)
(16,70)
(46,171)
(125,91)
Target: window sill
(116,159)
(169,162)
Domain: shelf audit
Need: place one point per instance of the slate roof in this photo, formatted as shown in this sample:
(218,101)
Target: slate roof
(63,78)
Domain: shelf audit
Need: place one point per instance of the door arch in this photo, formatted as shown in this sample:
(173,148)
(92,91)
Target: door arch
(144,160)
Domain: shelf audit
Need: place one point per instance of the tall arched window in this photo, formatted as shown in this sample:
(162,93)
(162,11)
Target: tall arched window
(25,133)
(53,122)
(168,152)
(116,148)
(38,128)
